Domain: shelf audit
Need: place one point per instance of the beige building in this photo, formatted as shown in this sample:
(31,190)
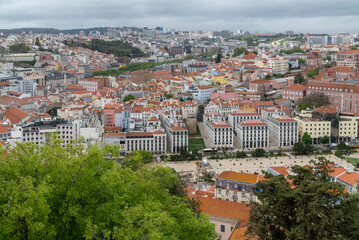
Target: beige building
(236,187)
(315,128)
(278,65)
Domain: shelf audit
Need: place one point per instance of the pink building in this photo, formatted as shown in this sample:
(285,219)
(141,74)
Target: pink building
(294,92)
(343,96)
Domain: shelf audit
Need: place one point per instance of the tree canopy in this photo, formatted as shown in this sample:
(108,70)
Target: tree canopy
(313,100)
(51,192)
(306,138)
(128,98)
(313,72)
(118,48)
(310,207)
(19,48)
(298,78)
(240,51)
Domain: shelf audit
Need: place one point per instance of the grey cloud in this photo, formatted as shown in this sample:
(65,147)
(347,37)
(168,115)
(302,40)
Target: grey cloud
(274,15)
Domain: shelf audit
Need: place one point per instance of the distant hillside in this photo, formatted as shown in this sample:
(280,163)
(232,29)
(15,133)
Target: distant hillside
(102,30)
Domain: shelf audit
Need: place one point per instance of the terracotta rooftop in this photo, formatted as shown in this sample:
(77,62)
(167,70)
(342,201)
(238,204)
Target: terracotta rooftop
(253,123)
(224,209)
(240,177)
(296,87)
(15,115)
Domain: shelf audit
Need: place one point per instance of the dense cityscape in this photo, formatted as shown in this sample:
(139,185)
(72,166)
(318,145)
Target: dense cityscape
(155,133)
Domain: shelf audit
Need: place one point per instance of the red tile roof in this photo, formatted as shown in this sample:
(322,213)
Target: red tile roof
(15,115)
(240,177)
(224,209)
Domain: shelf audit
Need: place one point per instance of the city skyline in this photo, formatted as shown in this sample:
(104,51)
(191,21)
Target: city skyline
(255,16)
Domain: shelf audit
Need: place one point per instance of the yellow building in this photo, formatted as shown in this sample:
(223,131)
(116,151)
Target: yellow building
(315,128)
(348,128)
(220,78)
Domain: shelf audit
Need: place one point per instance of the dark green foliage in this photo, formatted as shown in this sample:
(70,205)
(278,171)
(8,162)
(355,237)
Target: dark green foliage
(53,111)
(301,61)
(133,67)
(294,50)
(313,99)
(313,208)
(324,140)
(240,51)
(218,57)
(31,63)
(168,95)
(306,138)
(118,48)
(128,98)
(19,48)
(302,149)
(52,192)
(241,154)
(259,152)
(298,79)
(313,72)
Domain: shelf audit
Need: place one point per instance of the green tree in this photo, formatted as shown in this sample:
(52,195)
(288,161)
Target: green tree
(310,207)
(313,72)
(306,139)
(302,149)
(168,95)
(240,51)
(51,192)
(324,140)
(314,99)
(53,111)
(241,154)
(301,61)
(218,57)
(128,98)
(259,152)
(37,42)
(19,48)
(298,78)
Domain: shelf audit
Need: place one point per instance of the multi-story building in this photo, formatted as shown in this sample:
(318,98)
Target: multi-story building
(283,129)
(94,84)
(154,142)
(294,92)
(201,93)
(347,178)
(315,128)
(177,135)
(343,96)
(348,58)
(278,65)
(314,59)
(220,134)
(236,187)
(240,116)
(253,134)
(189,109)
(39,132)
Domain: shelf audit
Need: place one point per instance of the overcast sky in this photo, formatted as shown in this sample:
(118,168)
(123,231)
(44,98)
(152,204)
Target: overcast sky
(254,15)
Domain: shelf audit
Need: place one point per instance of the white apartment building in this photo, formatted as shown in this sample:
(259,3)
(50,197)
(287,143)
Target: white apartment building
(189,109)
(283,129)
(253,134)
(39,132)
(202,93)
(239,116)
(279,65)
(220,134)
(154,142)
(271,111)
(177,135)
(89,85)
